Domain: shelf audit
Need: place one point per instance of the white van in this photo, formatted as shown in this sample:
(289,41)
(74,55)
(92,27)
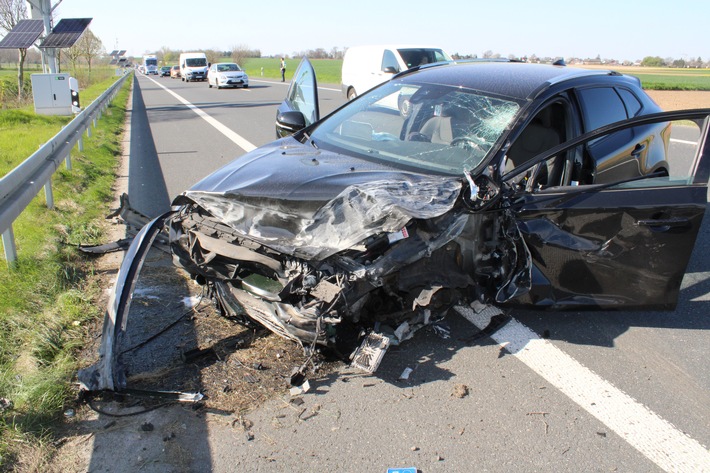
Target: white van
(193,66)
(364,67)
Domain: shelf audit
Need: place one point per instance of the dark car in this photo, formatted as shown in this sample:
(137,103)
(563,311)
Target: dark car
(164,71)
(506,185)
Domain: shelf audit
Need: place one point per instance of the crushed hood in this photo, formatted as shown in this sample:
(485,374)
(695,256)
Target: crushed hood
(311,203)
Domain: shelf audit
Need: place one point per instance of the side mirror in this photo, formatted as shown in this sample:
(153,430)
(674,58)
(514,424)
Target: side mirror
(289,122)
(390,70)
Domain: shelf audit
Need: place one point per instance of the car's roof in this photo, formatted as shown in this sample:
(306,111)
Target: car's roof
(511,79)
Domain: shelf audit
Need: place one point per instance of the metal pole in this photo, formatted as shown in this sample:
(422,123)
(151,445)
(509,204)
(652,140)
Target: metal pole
(8,243)
(68,161)
(48,195)
(80,144)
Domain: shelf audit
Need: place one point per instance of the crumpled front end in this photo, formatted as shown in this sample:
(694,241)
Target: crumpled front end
(378,253)
(380,256)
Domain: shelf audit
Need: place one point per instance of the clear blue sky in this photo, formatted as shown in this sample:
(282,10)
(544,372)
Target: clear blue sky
(618,29)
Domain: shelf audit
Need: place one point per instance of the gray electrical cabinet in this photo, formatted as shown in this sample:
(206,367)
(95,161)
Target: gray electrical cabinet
(55,94)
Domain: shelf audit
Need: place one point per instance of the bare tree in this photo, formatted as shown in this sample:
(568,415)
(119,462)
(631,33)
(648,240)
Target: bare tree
(90,46)
(212,55)
(240,53)
(11,12)
(73,55)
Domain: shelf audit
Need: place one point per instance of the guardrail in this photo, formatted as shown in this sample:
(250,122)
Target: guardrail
(22,184)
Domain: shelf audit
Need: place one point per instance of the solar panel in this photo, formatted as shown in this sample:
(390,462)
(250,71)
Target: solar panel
(66,33)
(23,35)
(122,52)
(113,53)
(112,62)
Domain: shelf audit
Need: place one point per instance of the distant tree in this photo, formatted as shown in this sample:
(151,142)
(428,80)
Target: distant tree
(11,12)
(652,61)
(72,55)
(212,56)
(336,53)
(240,53)
(90,46)
(679,63)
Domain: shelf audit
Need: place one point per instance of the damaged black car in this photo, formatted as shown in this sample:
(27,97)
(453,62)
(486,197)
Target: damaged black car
(509,185)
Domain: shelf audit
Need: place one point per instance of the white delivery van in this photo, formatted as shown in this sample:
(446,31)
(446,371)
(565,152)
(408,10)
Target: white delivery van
(364,67)
(193,66)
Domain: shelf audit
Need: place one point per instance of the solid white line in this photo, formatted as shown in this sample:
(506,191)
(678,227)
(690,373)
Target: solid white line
(676,140)
(654,437)
(236,139)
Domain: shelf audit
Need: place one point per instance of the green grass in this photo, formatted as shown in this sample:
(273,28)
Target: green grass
(666,78)
(47,299)
(327,70)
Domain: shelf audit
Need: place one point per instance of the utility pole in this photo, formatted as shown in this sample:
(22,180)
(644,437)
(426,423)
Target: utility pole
(42,10)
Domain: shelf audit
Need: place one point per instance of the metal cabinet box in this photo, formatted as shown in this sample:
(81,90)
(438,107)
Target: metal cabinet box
(53,94)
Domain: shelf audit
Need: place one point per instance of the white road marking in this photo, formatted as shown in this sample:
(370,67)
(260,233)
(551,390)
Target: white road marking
(238,140)
(654,437)
(684,142)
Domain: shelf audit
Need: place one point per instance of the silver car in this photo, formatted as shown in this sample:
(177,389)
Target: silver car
(227,74)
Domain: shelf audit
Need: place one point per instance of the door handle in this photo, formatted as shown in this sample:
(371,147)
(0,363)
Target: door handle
(664,224)
(638,149)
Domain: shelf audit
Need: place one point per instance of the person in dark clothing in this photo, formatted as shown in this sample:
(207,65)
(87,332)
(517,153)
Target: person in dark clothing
(283,70)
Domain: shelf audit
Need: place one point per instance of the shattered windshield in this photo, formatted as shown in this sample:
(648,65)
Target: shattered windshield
(436,128)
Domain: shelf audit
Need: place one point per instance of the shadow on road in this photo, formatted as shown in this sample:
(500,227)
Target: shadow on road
(146,184)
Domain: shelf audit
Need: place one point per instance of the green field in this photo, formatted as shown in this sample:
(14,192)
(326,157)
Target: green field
(328,72)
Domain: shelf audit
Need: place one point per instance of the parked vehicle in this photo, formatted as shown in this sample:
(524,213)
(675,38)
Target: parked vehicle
(165,71)
(364,67)
(193,66)
(507,185)
(150,64)
(175,72)
(227,74)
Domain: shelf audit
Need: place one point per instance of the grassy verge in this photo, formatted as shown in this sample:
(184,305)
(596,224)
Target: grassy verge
(47,299)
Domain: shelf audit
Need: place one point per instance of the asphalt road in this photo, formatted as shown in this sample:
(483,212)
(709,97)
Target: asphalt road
(592,391)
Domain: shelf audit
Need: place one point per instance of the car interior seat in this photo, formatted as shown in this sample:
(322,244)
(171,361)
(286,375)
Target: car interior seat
(538,136)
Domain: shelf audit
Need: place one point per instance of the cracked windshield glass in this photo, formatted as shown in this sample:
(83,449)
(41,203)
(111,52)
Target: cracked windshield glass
(430,127)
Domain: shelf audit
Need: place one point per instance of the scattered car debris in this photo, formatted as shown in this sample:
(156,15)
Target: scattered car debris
(147,427)
(405,374)
(302,389)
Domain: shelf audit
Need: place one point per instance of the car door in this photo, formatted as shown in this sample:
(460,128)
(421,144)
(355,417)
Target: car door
(623,244)
(300,107)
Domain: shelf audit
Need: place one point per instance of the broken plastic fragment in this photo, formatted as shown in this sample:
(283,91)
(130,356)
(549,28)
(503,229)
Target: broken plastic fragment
(405,374)
(368,355)
(304,388)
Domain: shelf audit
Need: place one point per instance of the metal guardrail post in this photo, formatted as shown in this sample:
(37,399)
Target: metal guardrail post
(8,243)
(80,143)
(48,194)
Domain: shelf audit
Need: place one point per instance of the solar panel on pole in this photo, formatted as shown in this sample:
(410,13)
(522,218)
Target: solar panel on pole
(66,33)
(23,35)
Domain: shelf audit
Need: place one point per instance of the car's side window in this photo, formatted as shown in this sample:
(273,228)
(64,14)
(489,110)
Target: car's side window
(389,60)
(633,106)
(600,106)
